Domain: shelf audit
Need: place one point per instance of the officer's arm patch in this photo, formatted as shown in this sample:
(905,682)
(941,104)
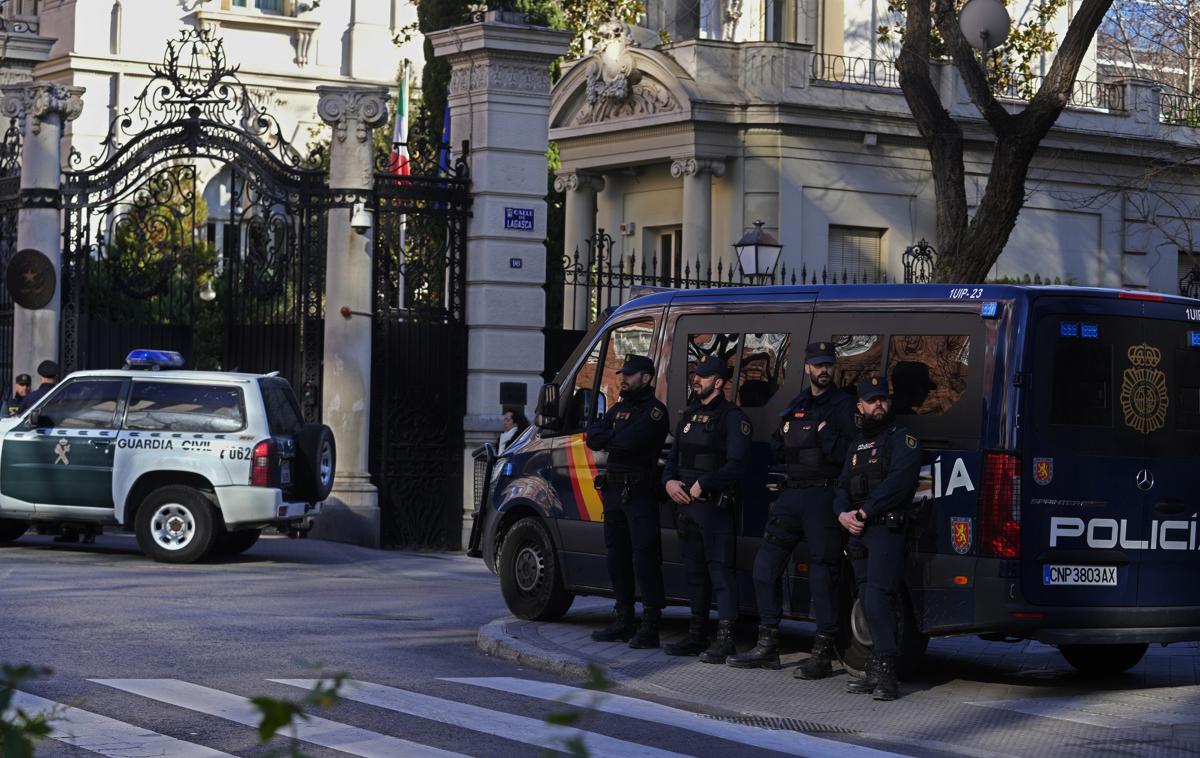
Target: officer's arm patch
(910,440)
(746,428)
(656,413)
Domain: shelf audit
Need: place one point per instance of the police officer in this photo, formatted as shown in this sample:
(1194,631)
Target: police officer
(632,433)
(20,390)
(702,477)
(874,493)
(48,373)
(811,443)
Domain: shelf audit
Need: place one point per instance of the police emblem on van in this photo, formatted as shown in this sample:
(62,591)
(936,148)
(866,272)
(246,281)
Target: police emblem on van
(1043,471)
(960,534)
(1144,397)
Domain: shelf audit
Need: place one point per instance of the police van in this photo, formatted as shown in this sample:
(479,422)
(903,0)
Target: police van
(192,462)
(1060,428)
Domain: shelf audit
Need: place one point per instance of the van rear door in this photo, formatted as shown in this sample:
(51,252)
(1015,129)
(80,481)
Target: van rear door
(1162,379)
(1082,453)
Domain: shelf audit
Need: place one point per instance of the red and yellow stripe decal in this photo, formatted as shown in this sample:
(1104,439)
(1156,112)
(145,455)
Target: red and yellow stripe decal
(583,479)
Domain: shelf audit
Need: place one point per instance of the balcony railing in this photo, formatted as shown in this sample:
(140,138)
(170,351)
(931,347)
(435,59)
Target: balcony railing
(1086,93)
(843,69)
(1180,109)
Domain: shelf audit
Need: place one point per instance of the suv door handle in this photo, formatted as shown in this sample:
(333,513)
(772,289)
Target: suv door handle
(104,445)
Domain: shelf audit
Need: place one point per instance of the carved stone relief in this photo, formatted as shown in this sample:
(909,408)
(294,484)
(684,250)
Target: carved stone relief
(615,87)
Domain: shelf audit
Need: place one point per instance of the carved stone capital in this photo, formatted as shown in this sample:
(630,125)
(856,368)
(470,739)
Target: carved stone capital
(575,181)
(357,108)
(500,73)
(696,166)
(39,102)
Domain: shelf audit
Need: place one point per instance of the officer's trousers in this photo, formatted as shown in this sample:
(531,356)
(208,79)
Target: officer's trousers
(634,542)
(878,560)
(805,513)
(709,547)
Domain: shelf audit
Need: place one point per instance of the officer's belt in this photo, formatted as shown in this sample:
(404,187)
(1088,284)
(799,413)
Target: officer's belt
(796,484)
(628,477)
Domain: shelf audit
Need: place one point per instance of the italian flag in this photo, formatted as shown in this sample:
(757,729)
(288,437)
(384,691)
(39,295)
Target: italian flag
(399,161)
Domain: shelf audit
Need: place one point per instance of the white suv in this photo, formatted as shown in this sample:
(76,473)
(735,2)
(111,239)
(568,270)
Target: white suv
(191,461)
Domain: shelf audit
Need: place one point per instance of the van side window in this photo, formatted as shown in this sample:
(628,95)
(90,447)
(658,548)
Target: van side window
(858,356)
(1082,394)
(628,339)
(928,372)
(764,364)
(585,386)
(723,346)
(599,372)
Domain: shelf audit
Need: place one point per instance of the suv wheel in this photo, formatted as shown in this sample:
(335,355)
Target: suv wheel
(11,529)
(530,579)
(1103,660)
(316,462)
(235,543)
(175,524)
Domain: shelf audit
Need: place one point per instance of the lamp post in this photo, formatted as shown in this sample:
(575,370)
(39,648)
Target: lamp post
(758,254)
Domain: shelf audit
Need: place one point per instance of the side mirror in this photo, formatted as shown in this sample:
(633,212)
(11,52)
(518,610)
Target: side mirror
(33,419)
(547,416)
(601,406)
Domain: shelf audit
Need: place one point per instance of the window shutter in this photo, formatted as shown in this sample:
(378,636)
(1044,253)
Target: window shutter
(855,252)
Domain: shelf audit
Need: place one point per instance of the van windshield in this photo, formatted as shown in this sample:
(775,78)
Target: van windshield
(1114,385)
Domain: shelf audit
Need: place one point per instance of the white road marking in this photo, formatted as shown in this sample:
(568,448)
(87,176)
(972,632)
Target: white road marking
(787,742)
(319,731)
(1110,710)
(497,723)
(100,734)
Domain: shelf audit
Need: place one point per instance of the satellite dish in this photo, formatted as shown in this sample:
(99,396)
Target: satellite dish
(984,23)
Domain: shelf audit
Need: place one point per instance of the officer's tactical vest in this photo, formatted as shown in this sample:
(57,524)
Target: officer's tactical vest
(626,414)
(702,441)
(869,461)
(802,453)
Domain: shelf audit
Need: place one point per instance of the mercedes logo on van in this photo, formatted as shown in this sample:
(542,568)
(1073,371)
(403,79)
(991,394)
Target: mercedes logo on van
(1145,480)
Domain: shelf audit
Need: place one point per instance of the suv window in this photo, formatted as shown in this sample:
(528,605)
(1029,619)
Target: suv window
(764,368)
(721,345)
(83,404)
(928,372)
(283,412)
(175,407)
(599,371)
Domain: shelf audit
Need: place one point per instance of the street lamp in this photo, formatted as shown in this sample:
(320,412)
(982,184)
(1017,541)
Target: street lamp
(984,23)
(208,293)
(758,253)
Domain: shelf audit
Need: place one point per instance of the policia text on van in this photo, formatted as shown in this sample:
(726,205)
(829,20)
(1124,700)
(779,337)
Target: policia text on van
(1059,427)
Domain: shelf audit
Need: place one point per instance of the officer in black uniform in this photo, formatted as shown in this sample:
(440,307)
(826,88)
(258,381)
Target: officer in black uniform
(811,443)
(632,432)
(48,373)
(703,477)
(20,390)
(874,494)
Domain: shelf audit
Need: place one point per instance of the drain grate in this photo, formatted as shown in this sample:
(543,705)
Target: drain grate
(784,724)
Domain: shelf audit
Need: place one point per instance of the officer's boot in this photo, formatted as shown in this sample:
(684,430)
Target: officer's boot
(722,645)
(865,684)
(694,643)
(647,633)
(888,687)
(763,655)
(820,664)
(622,628)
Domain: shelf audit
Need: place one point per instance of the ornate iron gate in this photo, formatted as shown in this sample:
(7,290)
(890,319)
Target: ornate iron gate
(147,263)
(10,193)
(419,353)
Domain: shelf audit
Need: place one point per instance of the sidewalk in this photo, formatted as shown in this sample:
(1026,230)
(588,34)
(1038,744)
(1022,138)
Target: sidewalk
(973,697)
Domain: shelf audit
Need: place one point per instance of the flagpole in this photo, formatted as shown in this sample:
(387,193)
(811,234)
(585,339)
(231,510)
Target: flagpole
(402,130)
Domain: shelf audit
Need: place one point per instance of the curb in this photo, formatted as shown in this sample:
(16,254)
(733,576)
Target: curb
(494,639)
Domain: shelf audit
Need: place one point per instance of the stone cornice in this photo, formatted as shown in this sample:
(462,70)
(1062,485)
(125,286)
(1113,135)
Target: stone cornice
(500,72)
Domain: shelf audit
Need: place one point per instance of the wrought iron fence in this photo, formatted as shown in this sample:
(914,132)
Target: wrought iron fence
(1085,93)
(844,69)
(1189,284)
(1179,109)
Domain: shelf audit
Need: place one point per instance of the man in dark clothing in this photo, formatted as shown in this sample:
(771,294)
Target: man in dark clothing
(48,372)
(811,443)
(703,477)
(874,494)
(20,389)
(632,433)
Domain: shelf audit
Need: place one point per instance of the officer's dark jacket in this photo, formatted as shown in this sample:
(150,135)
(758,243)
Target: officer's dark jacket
(835,407)
(731,430)
(632,431)
(898,456)
(34,396)
(11,405)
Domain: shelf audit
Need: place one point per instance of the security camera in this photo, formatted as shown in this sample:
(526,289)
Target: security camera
(360,218)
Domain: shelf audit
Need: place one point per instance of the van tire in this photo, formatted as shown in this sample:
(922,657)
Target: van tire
(530,578)
(315,464)
(856,652)
(175,524)
(12,529)
(1103,660)
(235,543)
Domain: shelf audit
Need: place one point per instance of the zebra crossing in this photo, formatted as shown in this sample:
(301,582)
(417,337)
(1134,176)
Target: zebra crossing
(75,725)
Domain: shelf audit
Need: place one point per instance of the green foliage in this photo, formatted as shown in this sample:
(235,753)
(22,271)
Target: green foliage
(20,731)
(584,17)
(575,716)
(280,713)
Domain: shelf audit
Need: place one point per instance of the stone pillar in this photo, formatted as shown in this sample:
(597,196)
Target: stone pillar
(697,176)
(500,100)
(351,513)
(45,108)
(578,227)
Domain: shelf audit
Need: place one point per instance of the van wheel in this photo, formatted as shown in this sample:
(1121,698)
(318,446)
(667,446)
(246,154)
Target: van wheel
(315,463)
(175,524)
(854,641)
(1103,660)
(530,579)
(11,529)
(235,543)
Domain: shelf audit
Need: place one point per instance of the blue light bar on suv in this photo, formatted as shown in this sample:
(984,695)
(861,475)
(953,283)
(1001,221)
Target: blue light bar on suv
(1193,339)
(990,309)
(153,359)
(1068,329)
(1089,331)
